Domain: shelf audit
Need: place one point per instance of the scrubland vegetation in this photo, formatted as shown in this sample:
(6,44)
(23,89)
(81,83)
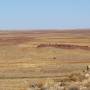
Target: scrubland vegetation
(45,60)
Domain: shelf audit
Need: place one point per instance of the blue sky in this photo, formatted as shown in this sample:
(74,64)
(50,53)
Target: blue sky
(44,14)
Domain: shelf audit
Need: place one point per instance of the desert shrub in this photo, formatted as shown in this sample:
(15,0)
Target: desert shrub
(73,87)
(87,84)
(73,77)
(76,77)
(36,85)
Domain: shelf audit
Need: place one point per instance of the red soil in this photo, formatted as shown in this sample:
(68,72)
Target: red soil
(64,46)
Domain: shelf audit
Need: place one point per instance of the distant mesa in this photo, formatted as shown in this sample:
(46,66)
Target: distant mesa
(64,46)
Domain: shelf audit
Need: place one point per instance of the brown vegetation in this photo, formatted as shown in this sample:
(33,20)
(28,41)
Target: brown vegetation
(45,60)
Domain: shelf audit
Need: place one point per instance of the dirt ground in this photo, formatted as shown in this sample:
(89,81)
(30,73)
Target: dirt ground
(26,56)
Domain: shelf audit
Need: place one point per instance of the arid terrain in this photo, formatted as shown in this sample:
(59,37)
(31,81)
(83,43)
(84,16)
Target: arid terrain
(45,59)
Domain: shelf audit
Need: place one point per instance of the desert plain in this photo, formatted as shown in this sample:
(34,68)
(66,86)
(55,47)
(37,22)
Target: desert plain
(45,59)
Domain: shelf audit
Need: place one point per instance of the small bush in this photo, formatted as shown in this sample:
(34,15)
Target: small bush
(73,87)
(76,77)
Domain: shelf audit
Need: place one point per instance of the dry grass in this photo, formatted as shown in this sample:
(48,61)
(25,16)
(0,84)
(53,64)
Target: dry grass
(21,60)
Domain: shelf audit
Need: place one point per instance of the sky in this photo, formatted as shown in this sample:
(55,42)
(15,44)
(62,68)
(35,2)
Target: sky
(44,14)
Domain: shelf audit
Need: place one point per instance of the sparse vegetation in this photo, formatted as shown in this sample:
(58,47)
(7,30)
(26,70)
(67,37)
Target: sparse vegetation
(47,60)
(73,87)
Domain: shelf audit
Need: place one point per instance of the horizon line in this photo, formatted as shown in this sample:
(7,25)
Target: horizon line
(41,29)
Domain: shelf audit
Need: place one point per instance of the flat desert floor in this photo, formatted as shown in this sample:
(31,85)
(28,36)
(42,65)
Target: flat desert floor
(42,56)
